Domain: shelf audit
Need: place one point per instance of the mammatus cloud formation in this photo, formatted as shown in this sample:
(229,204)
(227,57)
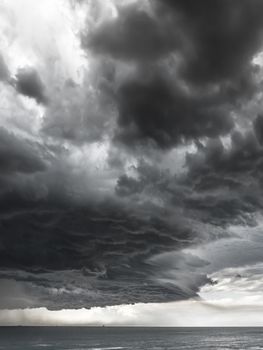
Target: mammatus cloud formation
(131,150)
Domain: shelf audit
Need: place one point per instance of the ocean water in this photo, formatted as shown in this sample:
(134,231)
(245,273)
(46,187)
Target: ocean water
(106,338)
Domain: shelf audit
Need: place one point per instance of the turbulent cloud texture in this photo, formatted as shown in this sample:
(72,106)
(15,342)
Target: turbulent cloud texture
(131,150)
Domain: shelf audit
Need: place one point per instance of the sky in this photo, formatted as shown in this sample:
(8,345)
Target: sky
(131,158)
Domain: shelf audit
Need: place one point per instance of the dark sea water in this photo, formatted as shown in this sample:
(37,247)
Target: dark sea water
(76,338)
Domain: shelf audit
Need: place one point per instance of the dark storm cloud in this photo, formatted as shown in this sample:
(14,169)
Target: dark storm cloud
(28,83)
(99,254)
(224,36)
(216,38)
(74,289)
(154,111)
(242,158)
(133,35)
(227,181)
(202,194)
(53,249)
(258,128)
(18,155)
(167,76)
(204,48)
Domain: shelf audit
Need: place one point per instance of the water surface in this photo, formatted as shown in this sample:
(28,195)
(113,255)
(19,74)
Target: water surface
(107,338)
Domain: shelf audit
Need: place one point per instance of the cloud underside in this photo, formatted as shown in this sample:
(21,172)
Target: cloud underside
(125,136)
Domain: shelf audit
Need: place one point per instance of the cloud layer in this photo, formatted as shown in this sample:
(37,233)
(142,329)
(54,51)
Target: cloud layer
(130,142)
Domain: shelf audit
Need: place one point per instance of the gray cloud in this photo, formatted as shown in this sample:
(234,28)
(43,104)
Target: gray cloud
(224,37)
(100,254)
(18,155)
(134,35)
(182,50)
(4,71)
(82,113)
(155,112)
(96,207)
(29,83)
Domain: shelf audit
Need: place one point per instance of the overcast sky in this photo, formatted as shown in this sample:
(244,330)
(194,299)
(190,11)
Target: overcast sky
(131,159)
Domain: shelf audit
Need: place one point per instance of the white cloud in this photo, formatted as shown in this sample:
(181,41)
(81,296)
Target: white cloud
(189,313)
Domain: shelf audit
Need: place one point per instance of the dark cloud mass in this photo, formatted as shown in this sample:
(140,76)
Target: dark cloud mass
(99,251)
(209,48)
(146,143)
(153,110)
(224,36)
(134,35)
(237,169)
(18,155)
(28,83)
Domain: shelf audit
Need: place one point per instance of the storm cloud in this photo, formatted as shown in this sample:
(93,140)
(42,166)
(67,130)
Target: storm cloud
(193,64)
(223,37)
(18,155)
(131,143)
(134,35)
(153,111)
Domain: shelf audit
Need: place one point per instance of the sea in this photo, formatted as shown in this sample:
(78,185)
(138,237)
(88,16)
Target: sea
(117,338)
